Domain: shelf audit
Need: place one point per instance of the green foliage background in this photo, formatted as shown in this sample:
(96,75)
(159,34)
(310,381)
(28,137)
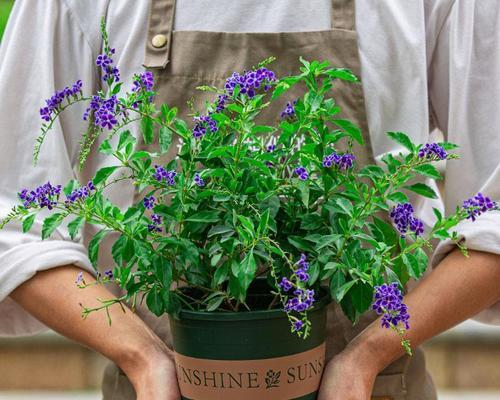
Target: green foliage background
(5,7)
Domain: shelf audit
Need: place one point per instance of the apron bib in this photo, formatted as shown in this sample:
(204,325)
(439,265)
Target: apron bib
(183,60)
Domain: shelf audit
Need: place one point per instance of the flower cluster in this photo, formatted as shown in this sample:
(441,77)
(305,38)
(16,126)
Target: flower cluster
(105,111)
(80,193)
(343,161)
(301,272)
(45,195)
(477,205)
(302,173)
(198,180)
(53,104)
(388,302)
(402,215)
(289,110)
(203,124)
(149,202)
(144,80)
(250,81)
(431,150)
(161,174)
(111,73)
(154,226)
(106,277)
(303,300)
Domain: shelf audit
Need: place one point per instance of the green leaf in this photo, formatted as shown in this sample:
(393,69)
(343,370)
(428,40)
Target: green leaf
(247,224)
(342,291)
(352,130)
(126,138)
(75,225)
(422,189)
(220,230)
(448,146)
(221,274)
(205,216)
(165,139)
(28,222)
(362,297)
(313,273)
(300,243)
(398,197)
(343,74)
(50,224)
(147,130)
(105,147)
(154,301)
(327,240)
(264,222)
(94,246)
(402,139)
(428,170)
(103,174)
(70,186)
(411,263)
(247,271)
(215,302)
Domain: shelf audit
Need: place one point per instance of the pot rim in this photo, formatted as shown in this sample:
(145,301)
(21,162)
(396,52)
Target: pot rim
(324,300)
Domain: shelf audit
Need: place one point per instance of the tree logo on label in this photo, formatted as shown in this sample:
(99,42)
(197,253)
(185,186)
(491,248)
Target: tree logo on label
(272,379)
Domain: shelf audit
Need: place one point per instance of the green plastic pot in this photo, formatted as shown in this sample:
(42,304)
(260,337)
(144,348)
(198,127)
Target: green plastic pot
(249,354)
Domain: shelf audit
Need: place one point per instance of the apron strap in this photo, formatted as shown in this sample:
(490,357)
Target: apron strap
(344,14)
(160,26)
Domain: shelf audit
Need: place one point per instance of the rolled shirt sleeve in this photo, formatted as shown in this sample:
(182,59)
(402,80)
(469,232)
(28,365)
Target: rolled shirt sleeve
(464,91)
(43,50)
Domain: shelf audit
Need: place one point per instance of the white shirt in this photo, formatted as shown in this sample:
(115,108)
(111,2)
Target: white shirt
(419,58)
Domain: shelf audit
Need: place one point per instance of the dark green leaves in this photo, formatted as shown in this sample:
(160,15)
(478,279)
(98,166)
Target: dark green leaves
(428,170)
(28,222)
(402,139)
(75,225)
(422,189)
(147,129)
(94,246)
(50,224)
(103,174)
(165,139)
(352,130)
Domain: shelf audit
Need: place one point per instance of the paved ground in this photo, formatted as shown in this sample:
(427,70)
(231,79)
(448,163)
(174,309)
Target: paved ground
(95,396)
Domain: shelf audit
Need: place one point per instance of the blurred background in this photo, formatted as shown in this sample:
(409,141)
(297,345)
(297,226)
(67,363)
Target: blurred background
(464,362)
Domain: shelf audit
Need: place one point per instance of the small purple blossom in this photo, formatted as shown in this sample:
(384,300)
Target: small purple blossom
(220,104)
(302,173)
(203,124)
(198,180)
(298,325)
(343,161)
(285,284)
(289,110)
(149,202)
(431,150)
(388,302)
(105,62)
(53,104)
(144,80)
(301,272)
(270,148)
(402,215)
(80,194)
(250,81)
(303,300)
(477,205)
(109,274)
(156,221)
(161,174)
(79,279)
(43,196)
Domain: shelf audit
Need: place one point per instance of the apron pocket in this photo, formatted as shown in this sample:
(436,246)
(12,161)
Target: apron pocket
(389,387)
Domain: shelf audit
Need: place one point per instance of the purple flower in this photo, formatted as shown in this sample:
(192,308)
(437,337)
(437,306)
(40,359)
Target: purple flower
(298,325)
(103,60)
(431,150)
(43,196)
(53,104)
(303,300)
(161,174)
(388,302)
(285,284)
(203,124)
(80,193)
(343,161)
(289,110)
(221,103)
(302,173)
(271,147)
(477,205)
(156,220)
(109,274)
(144,80)
(250,81)
(106,63)
(149,202)
(79,279)
(198,180)
(402,215)
(301,272)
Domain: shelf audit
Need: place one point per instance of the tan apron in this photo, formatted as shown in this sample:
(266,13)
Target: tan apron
(188,59)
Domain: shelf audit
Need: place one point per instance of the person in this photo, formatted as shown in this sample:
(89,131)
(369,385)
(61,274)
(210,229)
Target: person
(423,64)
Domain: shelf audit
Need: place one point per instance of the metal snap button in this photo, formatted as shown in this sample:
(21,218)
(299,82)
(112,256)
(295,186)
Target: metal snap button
(159,41)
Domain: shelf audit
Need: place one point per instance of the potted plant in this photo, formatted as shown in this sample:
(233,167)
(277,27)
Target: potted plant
(248,234)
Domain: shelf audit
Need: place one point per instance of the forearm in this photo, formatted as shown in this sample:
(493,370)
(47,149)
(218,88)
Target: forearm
(53,297)
(458,289)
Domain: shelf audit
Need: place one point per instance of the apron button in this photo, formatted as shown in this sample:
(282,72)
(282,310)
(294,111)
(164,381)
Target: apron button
(159,41)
